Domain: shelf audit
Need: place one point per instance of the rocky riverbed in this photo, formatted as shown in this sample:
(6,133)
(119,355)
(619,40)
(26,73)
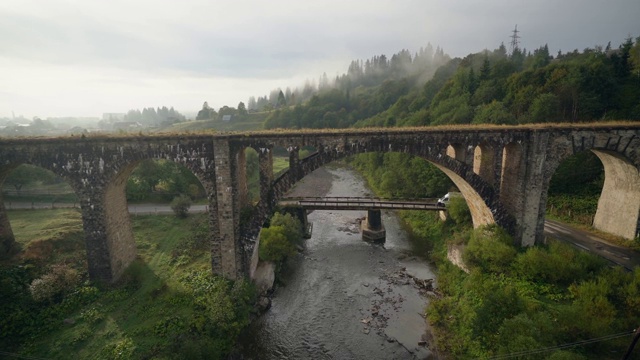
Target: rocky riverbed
(343,298)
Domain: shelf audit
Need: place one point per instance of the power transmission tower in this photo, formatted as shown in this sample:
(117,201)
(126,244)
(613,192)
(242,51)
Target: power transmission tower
(514,39)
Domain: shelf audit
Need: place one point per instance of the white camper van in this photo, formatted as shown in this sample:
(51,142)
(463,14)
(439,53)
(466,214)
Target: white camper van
(444,201)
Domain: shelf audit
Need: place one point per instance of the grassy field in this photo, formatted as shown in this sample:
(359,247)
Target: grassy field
(166,306)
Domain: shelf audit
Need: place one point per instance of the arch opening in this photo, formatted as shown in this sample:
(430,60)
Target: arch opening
(40,222)
(281,160)
(598,188)
(436,186)
(157,194)
(457,152)
(484,163)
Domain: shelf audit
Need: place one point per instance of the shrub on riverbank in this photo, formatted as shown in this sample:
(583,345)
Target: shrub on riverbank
(279,240)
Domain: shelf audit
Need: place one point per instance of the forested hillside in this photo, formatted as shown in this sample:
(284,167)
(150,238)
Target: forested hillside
(368,88)
(522,87)
(494,87)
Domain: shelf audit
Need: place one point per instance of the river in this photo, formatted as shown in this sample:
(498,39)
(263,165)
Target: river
(343,298)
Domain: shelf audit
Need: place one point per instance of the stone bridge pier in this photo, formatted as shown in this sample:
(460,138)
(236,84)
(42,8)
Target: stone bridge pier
(372,227)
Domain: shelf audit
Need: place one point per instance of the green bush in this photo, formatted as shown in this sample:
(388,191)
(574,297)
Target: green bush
(292,227)
(180,206)
(278,241)
(222,311)
(557,264)
(459,210)
(490,249)
(60,280)
(274,244)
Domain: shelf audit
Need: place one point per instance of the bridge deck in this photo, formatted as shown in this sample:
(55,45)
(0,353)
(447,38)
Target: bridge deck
(359,203)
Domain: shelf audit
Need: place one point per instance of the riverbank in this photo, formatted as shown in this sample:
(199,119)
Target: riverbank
(342,297)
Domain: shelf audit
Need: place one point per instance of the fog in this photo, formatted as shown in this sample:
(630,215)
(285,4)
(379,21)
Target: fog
(85,58)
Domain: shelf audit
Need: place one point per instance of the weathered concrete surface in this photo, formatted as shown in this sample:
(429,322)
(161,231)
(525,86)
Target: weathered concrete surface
(503,173)
(620,196)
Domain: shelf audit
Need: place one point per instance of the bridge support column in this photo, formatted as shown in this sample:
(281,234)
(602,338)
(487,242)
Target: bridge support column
(294,163)
(8,244)
(109,238)
(524,184)
(372,227)
(241,176)
(265,157)
(227,257)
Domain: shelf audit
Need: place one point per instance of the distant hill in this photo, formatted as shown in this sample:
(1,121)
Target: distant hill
(250,121)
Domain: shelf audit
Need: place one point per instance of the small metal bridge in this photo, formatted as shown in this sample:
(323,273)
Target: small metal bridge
(359,203)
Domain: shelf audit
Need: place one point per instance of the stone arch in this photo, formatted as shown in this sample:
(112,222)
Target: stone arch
(8,245)
(484,206)
(120,245)
(483,203)
(457,151)
(484,162)
(618,210)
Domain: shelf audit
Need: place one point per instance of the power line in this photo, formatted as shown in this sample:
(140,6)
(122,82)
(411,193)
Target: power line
(563,346)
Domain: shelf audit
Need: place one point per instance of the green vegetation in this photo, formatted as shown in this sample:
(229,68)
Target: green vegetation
(459,211)
(28,183)
(180,206)
(517,299)
(493,87)
(398,175)
(167,306)
(279,240)
(490,87)
(527,299)
(575,188)
(162,181)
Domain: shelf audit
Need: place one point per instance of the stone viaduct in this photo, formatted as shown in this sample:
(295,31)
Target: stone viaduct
(503,173)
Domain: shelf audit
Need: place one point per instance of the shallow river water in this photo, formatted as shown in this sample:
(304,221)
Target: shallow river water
(343,298)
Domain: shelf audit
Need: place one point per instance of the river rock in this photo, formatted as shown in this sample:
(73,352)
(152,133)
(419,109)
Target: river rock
(264,303)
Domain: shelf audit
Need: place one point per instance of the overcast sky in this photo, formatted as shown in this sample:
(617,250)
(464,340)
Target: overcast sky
(87,57)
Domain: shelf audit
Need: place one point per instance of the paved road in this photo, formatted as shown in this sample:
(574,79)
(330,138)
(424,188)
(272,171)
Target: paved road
(140,209)
(584,240)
